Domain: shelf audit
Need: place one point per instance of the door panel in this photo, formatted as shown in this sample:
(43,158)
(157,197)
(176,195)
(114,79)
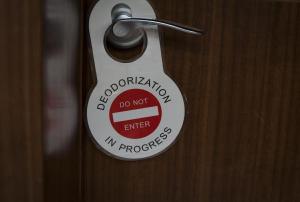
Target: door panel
(62,100)
(20,102)
(240,140)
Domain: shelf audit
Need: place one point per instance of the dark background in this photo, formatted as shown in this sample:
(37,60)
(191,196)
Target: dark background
(242,80)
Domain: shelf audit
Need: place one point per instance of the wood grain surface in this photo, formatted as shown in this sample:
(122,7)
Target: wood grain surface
(20,102)
(241,138)
(240,141)
(62,98)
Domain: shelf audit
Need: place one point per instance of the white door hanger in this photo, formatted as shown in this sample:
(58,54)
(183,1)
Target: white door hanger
(135,111)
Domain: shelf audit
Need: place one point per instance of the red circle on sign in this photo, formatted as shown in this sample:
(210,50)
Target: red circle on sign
(135,113)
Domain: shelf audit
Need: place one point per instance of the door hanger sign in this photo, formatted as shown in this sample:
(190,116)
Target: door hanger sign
(135,111)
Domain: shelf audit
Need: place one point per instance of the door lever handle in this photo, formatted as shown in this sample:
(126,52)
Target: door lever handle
(144,22)
(127,31)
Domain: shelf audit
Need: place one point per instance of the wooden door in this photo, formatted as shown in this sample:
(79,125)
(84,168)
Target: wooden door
(240,140)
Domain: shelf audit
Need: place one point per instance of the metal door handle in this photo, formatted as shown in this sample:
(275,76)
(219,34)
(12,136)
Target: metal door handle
(143,22)
(127,31)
